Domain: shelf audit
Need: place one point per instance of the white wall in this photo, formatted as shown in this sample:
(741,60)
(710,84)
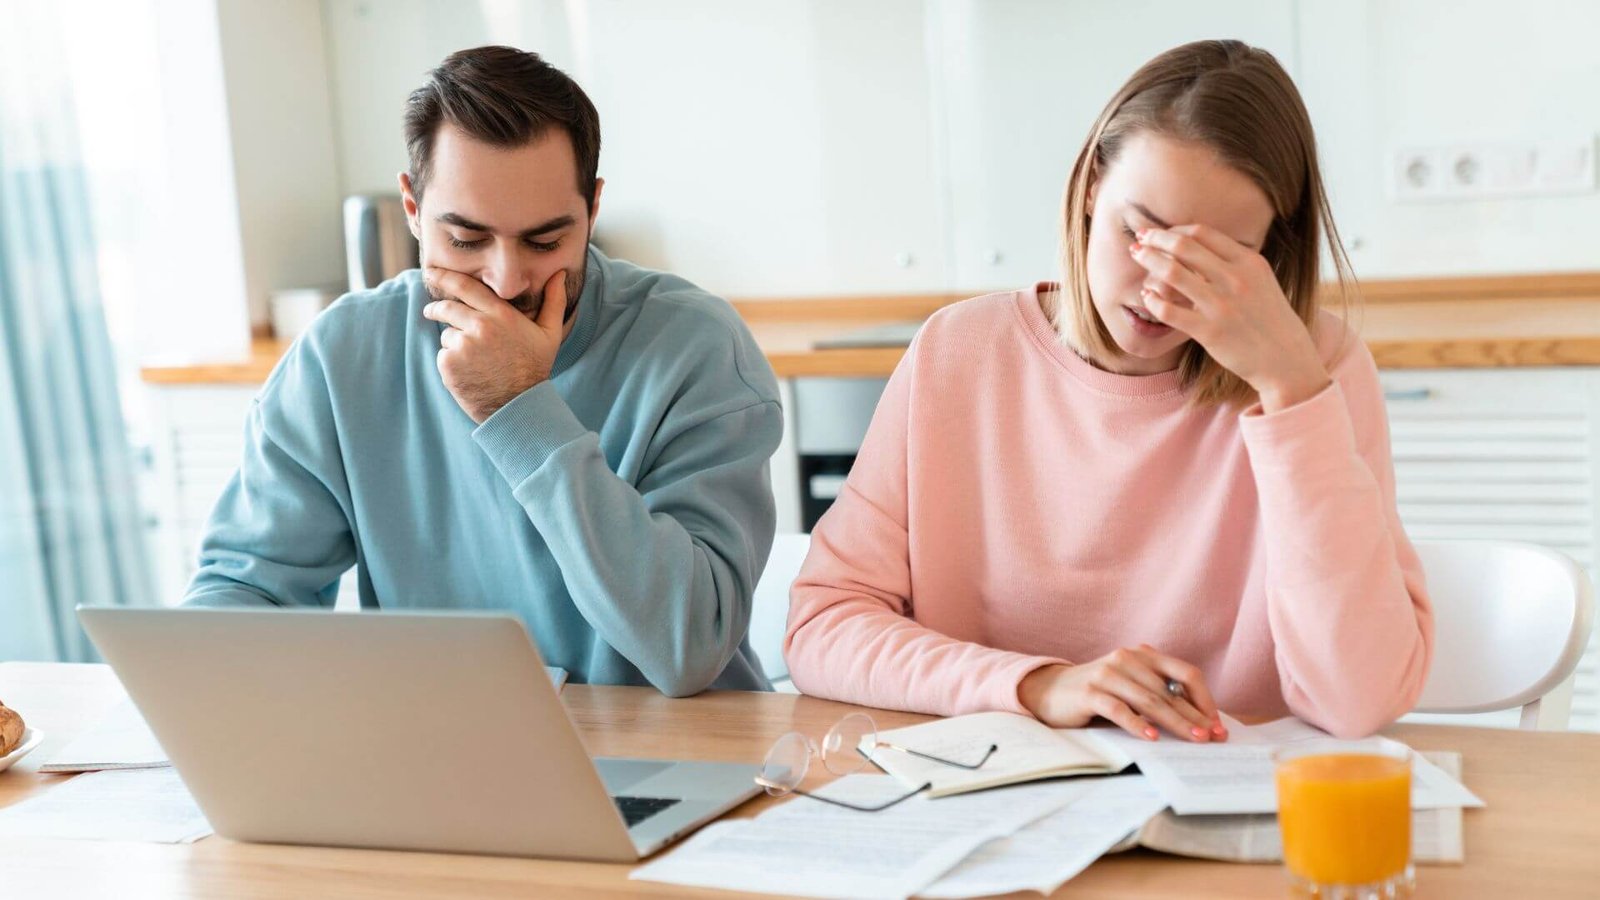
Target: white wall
(770,148)
(1380,75)
(280,122)
(198,310)
(379,52)
(793,147)
(1022,83)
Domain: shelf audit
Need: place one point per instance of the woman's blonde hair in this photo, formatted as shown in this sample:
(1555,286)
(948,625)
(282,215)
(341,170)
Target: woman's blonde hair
(1238,101)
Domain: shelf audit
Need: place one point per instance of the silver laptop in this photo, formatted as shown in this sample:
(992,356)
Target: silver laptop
(398,730)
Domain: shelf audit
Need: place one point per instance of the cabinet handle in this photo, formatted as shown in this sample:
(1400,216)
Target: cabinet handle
(1408,394)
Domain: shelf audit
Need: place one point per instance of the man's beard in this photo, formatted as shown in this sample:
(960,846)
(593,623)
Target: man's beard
(528,303)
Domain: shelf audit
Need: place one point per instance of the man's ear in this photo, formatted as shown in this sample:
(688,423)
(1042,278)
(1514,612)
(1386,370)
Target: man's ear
(594,208)
(413,211)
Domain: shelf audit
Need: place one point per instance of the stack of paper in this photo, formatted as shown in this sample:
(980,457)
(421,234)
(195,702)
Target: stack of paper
(1237,776)
(121,740)
(1254,837)
(1048,853)
(816,849)
(1037,836)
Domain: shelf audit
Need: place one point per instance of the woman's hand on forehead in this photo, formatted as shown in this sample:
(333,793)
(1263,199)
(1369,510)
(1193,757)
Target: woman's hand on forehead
(1225,296)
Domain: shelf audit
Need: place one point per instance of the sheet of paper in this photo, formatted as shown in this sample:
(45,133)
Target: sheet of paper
(1237,776)
(815,849)
(120,740)
(1046,854)
(136,805)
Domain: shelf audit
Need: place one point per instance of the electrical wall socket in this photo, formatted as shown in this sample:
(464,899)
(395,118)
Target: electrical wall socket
(1476,171)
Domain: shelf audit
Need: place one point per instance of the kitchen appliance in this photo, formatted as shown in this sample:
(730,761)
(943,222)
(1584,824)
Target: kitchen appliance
(377,241)
(831,418)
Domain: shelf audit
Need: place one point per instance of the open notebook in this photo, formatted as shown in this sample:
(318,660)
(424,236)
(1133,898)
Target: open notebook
(1027,750)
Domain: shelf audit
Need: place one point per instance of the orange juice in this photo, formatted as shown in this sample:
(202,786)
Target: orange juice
(1345,817)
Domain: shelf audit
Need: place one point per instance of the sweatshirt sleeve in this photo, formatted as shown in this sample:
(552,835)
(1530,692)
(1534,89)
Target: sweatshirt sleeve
(664,571)
(852,633)
(280,534)
(1348,611)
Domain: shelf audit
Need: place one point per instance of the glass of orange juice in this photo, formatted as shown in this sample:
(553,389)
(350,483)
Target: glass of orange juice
(1344,809)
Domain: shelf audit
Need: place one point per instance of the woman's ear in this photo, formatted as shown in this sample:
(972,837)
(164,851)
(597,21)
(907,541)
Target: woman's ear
(1094,191)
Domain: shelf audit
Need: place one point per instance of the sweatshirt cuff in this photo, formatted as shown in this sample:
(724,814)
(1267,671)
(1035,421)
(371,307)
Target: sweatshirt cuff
(1310,435)
(521,435)
(1007,695)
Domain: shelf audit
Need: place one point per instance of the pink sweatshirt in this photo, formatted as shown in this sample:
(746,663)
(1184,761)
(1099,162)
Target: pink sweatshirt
(1013,506)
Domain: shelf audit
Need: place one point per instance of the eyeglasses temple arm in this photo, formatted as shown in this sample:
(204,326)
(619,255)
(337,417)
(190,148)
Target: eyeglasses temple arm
(900,799)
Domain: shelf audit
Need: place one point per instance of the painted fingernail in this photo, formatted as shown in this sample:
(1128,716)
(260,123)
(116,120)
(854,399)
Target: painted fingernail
(1220,731)
(1135,247)
(1200,734)
(1150,734)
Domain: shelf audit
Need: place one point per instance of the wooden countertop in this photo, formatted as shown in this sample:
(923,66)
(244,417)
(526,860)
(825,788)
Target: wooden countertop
(1535,838)
(1484,322)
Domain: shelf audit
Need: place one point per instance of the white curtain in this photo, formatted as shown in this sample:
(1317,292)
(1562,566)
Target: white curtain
(69,521)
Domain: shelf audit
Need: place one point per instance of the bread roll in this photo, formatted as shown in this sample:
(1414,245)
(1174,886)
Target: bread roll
(11,728)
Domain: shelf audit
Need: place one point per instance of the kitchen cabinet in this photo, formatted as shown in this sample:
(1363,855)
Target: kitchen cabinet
(197,443)
(773,149)
(1503,454)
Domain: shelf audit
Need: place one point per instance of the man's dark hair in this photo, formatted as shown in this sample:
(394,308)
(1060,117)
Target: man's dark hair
(504,97)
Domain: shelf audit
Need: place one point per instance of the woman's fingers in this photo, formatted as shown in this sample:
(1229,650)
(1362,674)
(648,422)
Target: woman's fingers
(1122,715)
(1170,270)
(1225,247)
(1168,312)
(1187,249)
(1153,706)
(1141,672)
(1192,679)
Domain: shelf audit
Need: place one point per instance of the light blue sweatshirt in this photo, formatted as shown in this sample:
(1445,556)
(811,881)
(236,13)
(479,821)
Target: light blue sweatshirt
(622,508)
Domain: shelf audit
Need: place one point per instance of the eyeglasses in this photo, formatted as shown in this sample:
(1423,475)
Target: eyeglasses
(847,746)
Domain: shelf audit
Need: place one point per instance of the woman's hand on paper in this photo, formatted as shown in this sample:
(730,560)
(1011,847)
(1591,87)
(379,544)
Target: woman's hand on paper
(1128,687)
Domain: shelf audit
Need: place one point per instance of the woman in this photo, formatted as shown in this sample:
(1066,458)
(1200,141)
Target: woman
(1156,490)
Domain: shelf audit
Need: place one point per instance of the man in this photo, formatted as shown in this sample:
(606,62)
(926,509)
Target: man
(522,424)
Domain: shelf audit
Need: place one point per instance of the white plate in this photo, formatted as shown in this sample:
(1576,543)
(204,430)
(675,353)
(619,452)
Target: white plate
(31,738)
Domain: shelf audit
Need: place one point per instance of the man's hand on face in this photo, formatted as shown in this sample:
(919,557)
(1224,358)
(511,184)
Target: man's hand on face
(490,352)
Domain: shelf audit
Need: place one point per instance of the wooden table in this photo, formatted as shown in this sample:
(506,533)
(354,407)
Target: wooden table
(1539,836)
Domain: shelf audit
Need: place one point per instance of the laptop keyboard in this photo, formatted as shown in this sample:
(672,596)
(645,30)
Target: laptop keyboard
(636,809)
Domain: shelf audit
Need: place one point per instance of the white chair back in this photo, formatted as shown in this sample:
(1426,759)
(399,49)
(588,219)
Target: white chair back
(1511,622)
(769,616)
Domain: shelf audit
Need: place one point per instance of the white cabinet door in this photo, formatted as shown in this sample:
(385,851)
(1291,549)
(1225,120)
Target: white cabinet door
(779,148)
(1503,454)
(198,443)
(1021,82)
